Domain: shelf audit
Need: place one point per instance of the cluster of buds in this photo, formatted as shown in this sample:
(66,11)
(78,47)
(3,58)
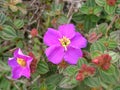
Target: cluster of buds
(84,72)
(34,32)
(111,2)
(33,64)
(103,61)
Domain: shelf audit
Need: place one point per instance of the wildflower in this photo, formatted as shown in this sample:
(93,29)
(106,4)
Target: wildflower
(103,61)
(64,44)
(111,2)
(34,32)
(33,64)
(84,72)
(20,64)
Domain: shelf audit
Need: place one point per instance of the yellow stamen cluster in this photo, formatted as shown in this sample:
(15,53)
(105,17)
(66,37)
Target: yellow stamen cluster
(21,62)
(64,42)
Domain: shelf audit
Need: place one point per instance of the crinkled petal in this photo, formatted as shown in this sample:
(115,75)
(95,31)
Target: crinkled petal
(72,55)
(78,41)
(18,51)
(26,72)
(16,72)
(12,62)
(18,54)
(51,37)
(55,54)
(67,30)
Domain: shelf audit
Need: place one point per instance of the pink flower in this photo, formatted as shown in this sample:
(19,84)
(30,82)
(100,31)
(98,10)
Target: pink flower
(64,43)
(20,64)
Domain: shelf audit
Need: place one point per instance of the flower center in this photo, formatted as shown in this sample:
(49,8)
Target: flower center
(21,62)
(64,42)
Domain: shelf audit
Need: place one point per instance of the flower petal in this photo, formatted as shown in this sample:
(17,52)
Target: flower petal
(67,30)
(72,55)
(78,41)
(55,54)
(26,72)
(12,62)
(16,72)
(51,37)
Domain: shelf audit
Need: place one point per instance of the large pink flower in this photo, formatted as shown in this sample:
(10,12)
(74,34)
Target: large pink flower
(20,64)
(64,43)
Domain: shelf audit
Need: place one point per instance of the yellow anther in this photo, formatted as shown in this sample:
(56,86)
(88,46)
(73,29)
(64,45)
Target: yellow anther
(64,42)
(21,62)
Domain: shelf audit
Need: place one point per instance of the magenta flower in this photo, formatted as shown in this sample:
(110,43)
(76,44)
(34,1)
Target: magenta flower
(64,44)
(20,64)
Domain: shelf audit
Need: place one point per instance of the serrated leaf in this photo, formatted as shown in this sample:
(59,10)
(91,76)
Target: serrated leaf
(42,67)
(97,46)
(92,81)
(18,23)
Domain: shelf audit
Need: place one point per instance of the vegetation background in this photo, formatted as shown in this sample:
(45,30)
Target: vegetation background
(23,24)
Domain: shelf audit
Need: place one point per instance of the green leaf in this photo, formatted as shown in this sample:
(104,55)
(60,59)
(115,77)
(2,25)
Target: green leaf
(92,81)
(102,28)
(81,61)
(70,70)
(100,2)
(55,79)
(2,18)
(117,23)
(20,44)
(8,33)
(68,83)
(118,10)
(18,23)
(62,20)
(78,17)
(43,86)
(97,46)
(110,9)
(97,10)
(109,78)
(117,88)
(51,87)
(115,35)
(42,67)
(84,9)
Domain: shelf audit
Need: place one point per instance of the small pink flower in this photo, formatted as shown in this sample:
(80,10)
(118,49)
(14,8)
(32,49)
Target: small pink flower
(64,44)
(20,64)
